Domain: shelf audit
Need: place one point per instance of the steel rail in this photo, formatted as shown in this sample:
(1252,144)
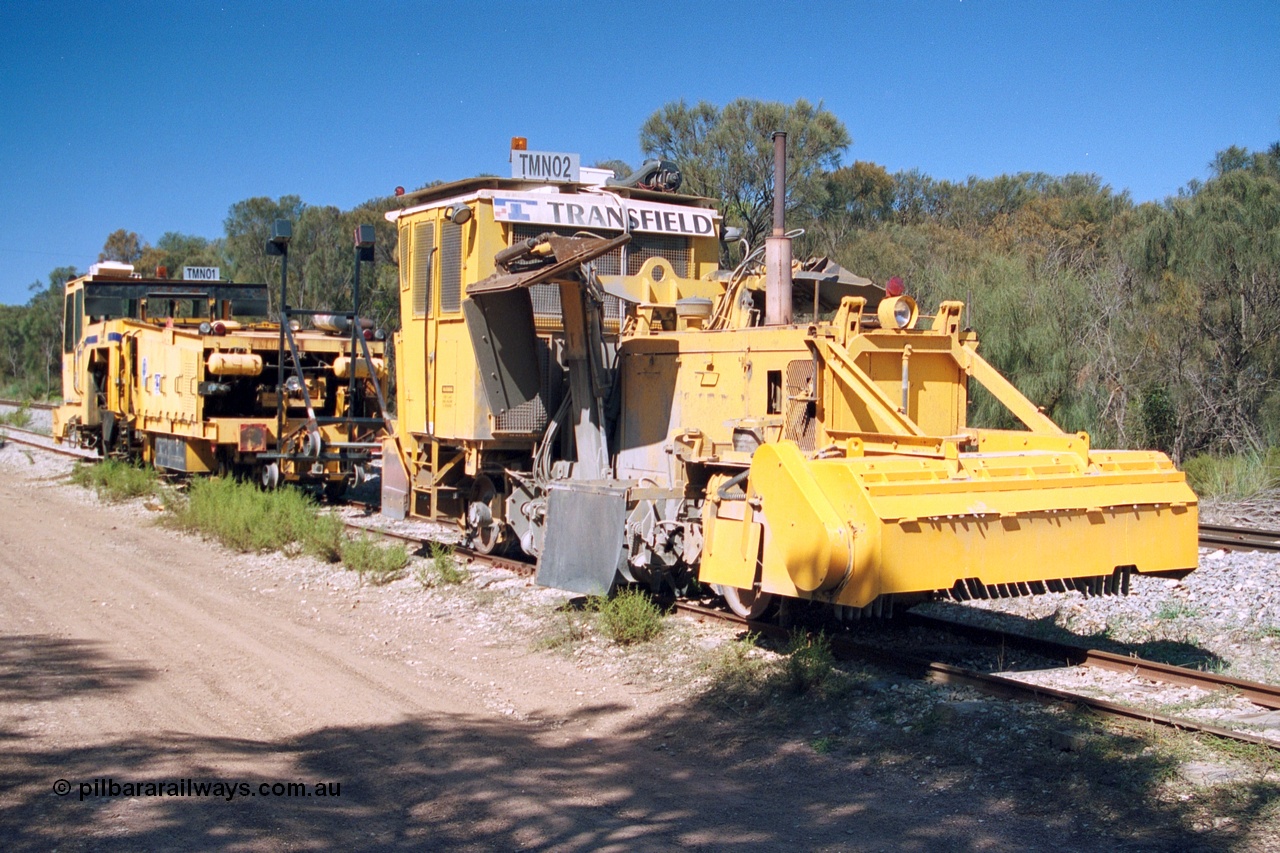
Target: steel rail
(44,442)
(845,648)
(1239,538)
(1264,695)
(25,404)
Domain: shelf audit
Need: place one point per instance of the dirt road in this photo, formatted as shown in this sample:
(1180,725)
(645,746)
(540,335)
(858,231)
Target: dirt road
(131,654)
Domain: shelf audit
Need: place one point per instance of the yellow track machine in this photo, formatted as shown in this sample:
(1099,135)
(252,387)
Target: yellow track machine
(188,376)
(578,377)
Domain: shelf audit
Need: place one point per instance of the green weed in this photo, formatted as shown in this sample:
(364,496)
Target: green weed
(246,518)
(808,664)
(114,480)
(19,417)
(324,539)
(566,631)
(629,617)
(379,564)
(1174,609)
(1244,475)
(445,566)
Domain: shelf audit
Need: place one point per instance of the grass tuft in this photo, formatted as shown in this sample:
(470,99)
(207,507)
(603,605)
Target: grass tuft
(568,631)
(114,480)
(19,417)
(243,517)
(808,664)
(629,617)
(379,564)
(445,566)
(1238,477)
(1171,609)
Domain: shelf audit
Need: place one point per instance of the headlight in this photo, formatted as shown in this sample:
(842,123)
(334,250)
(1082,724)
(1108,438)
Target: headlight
(897,312)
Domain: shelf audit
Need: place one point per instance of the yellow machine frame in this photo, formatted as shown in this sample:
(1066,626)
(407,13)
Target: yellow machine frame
(681,436)
(143,380)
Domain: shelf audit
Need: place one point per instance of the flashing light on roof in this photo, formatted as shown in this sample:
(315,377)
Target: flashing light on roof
(519,143)
(894,287)
(399,191)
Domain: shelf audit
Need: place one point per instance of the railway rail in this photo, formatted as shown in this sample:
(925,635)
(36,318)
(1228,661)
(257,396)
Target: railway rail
(26,404)
(845,647)
(1239,538)
(28,438)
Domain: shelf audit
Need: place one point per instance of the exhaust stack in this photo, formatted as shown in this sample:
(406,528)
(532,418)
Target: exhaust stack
(777,248)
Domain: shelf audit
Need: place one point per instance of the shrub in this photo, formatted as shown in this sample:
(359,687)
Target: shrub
(324,539)
(444,564)
(1242,476)
(19,417)
(371,559)
(246,518)
(809,662)
(736,672)
(629,617)
(571,629)
(114,480)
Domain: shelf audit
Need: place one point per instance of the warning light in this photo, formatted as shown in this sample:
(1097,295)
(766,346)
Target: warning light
(894,287)
(519,143)
(399,191)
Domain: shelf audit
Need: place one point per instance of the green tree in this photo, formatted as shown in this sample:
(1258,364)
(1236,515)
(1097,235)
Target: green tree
(41,330)
(248,225)
(727,154)
(124,246)
(173,251)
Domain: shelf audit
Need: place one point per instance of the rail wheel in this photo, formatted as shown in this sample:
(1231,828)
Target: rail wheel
(270,476)
(747,603)
(484,532)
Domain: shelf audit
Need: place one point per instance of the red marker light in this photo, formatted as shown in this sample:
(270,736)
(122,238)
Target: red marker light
(399,191)
(895,287)
(368,334)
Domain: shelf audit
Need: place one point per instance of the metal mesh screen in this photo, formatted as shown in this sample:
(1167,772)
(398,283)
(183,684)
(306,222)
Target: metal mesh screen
(802,424)
(645,246)
(450,267)
(402,257)
(531,416)
(424,242)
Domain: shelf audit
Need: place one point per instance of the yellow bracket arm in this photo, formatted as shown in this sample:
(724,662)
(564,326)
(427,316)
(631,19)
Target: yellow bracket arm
(855,379)
(1004,391)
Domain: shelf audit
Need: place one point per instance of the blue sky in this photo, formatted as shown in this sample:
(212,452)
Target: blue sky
(157,117)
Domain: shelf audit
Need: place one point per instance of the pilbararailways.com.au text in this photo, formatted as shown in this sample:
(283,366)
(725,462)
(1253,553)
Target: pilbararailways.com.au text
(226,790)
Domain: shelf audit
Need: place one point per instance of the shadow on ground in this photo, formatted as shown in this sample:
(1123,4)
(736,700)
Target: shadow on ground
(734,769)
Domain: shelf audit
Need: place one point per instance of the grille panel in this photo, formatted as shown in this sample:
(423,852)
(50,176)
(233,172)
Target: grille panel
(802,424)
(424,242)
(450,267)
(531,416)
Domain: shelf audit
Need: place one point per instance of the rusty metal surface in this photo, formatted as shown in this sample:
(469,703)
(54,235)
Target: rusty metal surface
(1238,538)
(569,252)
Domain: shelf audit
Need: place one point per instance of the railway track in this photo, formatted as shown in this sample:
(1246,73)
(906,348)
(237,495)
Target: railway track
(845,647)
(24,404)
(1239,538)
(44,442)
(1211,535)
